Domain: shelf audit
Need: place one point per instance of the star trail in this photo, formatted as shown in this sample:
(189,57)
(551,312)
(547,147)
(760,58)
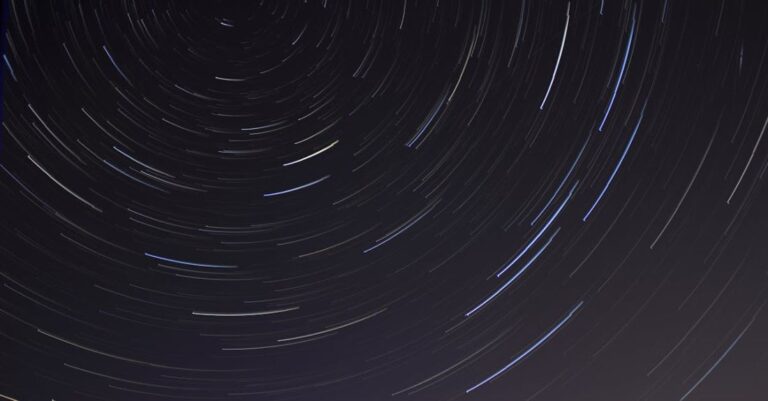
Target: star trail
(384,200)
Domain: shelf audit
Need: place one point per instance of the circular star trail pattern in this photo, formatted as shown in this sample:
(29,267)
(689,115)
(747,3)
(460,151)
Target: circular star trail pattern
(384,200)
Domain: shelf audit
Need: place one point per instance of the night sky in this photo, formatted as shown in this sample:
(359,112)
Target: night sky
(374,200)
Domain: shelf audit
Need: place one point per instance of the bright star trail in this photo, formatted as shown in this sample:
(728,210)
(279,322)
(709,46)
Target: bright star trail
(425,200)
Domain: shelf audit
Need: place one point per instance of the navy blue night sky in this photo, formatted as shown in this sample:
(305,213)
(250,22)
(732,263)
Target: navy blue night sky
(365,200)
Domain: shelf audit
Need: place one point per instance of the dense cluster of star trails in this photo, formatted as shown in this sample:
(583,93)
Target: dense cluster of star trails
(384,200)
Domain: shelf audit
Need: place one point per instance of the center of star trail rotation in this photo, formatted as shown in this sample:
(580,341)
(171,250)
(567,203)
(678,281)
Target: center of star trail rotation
(383,200)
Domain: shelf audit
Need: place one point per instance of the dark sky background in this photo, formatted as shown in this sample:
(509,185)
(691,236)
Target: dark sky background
(384,200)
